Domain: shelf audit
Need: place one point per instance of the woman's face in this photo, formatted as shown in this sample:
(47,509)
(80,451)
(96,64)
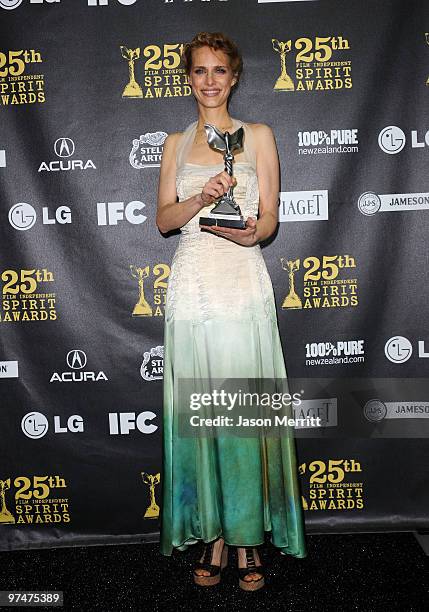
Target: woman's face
(211,77)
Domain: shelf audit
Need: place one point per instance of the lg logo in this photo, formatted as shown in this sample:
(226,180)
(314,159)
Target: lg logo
(399,349)
(13,4)
(392,140)
(22,216)
(35,425)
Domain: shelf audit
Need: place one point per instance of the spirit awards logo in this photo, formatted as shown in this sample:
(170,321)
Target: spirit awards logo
(155,307)
(162,77)
(331,485)
(6,517)
(25,296)
(370,203)
(64,149)
(325,283)
(9,5)
(147,150)
(320,64)
(76,361)
(34,500)
(152,511)
(19,86)
(152,367)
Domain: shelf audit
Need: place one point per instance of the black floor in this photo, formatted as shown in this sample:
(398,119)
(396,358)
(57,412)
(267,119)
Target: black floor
(362,572)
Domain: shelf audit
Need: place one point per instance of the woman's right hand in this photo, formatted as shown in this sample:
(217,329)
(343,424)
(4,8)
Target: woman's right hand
(216,187)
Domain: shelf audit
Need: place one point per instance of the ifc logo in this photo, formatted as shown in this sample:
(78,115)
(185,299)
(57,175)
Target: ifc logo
(391,139)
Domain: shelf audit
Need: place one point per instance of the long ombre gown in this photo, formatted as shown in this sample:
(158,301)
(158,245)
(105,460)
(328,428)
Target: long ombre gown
(221,322)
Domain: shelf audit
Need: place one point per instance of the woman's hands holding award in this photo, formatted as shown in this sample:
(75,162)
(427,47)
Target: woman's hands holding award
(225,218)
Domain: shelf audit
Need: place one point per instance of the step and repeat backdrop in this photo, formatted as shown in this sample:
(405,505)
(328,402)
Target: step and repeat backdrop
(89,90)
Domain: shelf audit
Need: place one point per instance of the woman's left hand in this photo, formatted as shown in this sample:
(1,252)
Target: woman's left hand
(245,237)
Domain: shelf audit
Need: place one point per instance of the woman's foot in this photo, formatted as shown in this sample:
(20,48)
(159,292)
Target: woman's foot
(251,572)
(214,558)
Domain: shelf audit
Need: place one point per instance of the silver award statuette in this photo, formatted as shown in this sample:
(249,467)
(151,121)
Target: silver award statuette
(227,212)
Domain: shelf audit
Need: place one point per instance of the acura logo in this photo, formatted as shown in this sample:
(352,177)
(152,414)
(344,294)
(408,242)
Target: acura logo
(64,147)
(76,359)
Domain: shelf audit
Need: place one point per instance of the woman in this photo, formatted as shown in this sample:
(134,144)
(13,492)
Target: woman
(221,322)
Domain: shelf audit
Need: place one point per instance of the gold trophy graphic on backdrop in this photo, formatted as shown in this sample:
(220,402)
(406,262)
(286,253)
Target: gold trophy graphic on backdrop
(284,82)
(132,89)
(142,308)
(427,40)
(152,510)
(5,515)
(292,300)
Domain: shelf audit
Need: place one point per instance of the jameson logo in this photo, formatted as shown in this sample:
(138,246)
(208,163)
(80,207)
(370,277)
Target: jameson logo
(155,72)
(319,64)
(331,485)
(24,297)
(33,500)
(18,83)
(324,283)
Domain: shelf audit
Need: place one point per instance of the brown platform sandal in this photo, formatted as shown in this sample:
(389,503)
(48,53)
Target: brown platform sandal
(215,570)
(251,567)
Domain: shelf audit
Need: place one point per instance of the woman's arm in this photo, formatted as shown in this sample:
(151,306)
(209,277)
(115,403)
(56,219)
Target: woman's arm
(268,172)
(169,214)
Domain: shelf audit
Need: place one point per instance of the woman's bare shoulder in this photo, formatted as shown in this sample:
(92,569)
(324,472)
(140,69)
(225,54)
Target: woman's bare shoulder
(170,143)
(261,131)
(173,137)
(260,127)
